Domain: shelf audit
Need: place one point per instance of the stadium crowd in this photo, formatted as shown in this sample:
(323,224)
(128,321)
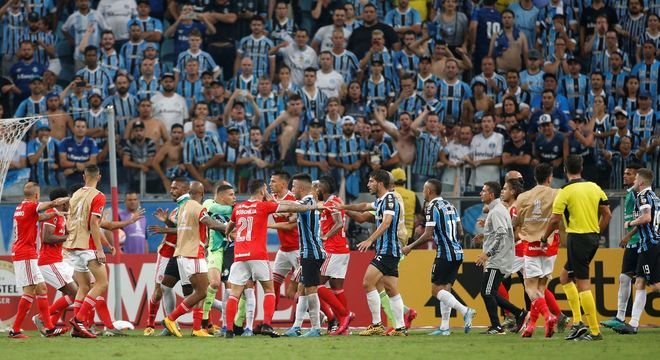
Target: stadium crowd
(457,90)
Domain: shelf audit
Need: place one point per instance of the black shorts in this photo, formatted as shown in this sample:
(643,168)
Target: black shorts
(227,261)
(311,272)
(581,249)
(387,265)
(629,264)
(172,268)
(444,271)
(648,265)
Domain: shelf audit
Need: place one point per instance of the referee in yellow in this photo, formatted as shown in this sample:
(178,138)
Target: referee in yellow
(586,210)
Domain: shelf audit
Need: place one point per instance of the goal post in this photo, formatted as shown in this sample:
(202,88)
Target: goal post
(12,132)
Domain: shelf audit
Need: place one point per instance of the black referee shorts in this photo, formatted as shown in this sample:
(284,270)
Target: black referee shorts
(629,264)
(227,261)
(444,271)
(581,249)
(648,265)
(311,272)
(387,265)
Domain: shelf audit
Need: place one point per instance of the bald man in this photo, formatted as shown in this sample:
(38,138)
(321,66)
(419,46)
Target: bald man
(513,174)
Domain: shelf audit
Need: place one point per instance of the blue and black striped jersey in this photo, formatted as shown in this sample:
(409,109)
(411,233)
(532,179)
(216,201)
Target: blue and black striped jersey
(312,150)
(649,234)
(309,228)
(257,50)
(198,151)
(444,218)
(388,244)
(126,108)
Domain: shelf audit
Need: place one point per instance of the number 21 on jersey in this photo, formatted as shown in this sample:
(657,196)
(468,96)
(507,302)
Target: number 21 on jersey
(244,231)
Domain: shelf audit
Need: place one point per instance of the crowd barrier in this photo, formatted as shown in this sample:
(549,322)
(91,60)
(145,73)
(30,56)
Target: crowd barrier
(136,273)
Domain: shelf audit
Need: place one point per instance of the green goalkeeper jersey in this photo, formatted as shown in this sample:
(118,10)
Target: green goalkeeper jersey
(221,213)
(628,215)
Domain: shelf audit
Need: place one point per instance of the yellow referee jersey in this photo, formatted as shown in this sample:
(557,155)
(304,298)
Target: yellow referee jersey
(578,201)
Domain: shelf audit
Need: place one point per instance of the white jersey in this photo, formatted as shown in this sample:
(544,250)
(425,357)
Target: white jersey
(76,25)
(483,148)
(298,60)
(118,13)
(324,37)
(455,153)
(170,110)
(329,83)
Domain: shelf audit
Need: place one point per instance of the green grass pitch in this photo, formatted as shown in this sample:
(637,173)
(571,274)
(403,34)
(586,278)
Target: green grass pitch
(417,346)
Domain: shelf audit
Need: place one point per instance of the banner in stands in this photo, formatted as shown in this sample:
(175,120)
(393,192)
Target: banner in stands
(137,281)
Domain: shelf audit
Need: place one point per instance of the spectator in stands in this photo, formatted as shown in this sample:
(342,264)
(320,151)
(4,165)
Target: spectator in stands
(125,104)
(59,121)
(12,16)
(526,16)
(168,106)
(44,40)
(646,69)
(509,47)
(574,86)
(428,145)
(231,159)
(154,129)
(557,62)
(523,97)
(549,148)
(323,37)
(312,152)
(94,75)
(485,153)
(452,92)
(260,156)
(147,85)
(328,80)
(652,33)
(297,55)
(236,115)
(131,52)
(517,155)
(35,104)
(550,83)
(136,233)
(478,104)
(428,97)
(201,153)
(408,100)
(314,100)
(109,59)
(139,152)
(581,141)
(76,152)
(549,108)
(482,23)
(382,153)
(84,21)
(168,161)
(194,51)
(118,13)
(361,39)
(245,79)
(453,25)
(152,28)
(598,89)
(42,155)
(247,10)
(644,120)
(453,158)
(18,173)
(25,70)
(185,23)
(223,14)
(531,79)
(619,161)
(377,87)
(493,81)
(619,131)
(190,86)
(257,47)
(347,156)
(344,61)
(424,74)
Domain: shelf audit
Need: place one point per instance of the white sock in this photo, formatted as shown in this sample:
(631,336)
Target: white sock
(250,305)
(169,299)
(396,303)
(446,297)
(373,299)
(638,307)
(445,310)
(217,304)
(314,310)
(301,310)
(625,283)
(225,297)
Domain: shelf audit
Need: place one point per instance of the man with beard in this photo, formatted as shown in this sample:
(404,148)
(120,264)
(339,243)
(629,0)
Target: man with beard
(290,121)
(24,71)
(403,134)
(139,151)
(154,128)
(125,104)
(360,40)
(93,74)
(35,104)
(168,106)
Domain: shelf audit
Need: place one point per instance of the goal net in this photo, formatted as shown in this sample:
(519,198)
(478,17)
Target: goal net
(12,132)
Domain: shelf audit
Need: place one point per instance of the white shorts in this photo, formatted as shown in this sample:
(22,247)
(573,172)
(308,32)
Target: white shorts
(518,264)
(257,270)
(58,274)
(539,266)
(335,266)
(79,259)
(27,273)
(161,265)
(285,261)
(189,267)
(295,277)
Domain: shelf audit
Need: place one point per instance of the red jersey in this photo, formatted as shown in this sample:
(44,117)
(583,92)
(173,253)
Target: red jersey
(96,208)
(535,248)
(337,244)
(520,245)
(52,253)
(168,246)
(26,218)
(289,239)
(251,219)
